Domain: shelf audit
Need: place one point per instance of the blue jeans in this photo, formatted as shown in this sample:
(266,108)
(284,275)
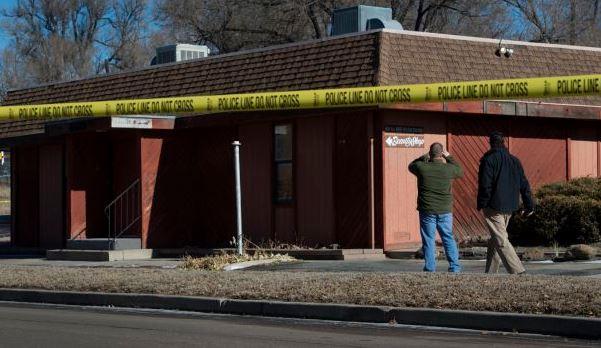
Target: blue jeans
(429,223)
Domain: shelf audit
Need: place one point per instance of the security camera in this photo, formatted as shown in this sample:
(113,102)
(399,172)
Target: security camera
(504,51)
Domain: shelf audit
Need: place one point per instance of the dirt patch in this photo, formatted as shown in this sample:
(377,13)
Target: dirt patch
(523,294)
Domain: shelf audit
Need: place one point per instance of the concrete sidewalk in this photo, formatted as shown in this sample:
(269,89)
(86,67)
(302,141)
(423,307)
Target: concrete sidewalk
(43,262)
(581,268)
(591,268)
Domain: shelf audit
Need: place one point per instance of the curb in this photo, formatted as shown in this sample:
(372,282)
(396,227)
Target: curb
(575,327)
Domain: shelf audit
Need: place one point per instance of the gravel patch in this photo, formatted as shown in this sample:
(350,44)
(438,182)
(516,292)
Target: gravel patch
(578,296)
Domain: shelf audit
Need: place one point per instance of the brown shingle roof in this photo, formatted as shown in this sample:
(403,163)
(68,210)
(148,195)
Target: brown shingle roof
(411,57)
(364,59)
(338,62)
(341,62)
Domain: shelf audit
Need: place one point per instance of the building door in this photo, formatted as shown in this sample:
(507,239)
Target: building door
(401,221)
(404,138)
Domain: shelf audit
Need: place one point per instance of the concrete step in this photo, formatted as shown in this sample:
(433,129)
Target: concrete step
(104,244)
(99,255)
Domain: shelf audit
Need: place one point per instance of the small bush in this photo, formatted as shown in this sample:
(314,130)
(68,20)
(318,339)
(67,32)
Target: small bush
(583,187)
(534,254)
(567,213)
(580,252)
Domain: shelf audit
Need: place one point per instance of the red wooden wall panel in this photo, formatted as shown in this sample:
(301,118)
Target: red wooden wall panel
(284,224)
(193,201)
(352,180)
(51,185)
(125,170)
(25,161)
(541,146)
(468,142)
(255,162)
(584,157)
(126,160)
(89,184)
(314,172)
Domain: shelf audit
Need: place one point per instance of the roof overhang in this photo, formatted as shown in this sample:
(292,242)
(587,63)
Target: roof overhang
(507,108)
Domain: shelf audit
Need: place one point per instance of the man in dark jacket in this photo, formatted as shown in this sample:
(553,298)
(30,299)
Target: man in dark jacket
(435,172)
(501,181)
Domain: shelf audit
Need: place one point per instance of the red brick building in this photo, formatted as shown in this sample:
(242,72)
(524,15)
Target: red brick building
(317,176)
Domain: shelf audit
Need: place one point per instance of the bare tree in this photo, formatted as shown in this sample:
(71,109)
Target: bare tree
(124,41)
(57,40)
(3,85)
(558,21)
(234,24)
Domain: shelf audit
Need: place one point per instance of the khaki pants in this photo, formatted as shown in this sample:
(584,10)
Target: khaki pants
(499,247)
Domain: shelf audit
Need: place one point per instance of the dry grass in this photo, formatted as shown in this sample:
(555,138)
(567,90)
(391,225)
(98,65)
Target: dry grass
(4,207)
(580,252)
(534,254)
(523,294)
(4,191)
(4,198)
(218,262)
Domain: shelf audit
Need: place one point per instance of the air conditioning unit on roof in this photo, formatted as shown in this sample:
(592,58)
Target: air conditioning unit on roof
(179,53)
(361,18)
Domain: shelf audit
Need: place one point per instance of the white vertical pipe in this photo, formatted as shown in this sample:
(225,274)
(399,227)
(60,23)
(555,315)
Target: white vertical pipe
(372,208)
(237,145)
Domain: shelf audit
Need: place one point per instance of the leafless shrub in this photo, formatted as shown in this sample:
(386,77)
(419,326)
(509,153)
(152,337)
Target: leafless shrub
(534,254)
(580,252)
(219,261)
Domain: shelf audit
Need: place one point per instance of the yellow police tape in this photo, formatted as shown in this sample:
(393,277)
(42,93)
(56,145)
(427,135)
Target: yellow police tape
(546,87)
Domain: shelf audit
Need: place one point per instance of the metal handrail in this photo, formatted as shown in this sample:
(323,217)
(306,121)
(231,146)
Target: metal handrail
(136,182)
(123,212)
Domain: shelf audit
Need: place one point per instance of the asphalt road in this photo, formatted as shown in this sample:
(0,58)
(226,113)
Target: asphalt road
(23,325)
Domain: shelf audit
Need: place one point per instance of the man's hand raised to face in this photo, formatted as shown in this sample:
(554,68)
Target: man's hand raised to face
(527,212)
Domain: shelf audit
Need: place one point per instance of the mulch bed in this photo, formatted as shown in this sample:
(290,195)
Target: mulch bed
(563,295)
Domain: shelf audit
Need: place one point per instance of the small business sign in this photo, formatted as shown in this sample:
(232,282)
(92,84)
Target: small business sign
(403,129)
(404,136)
(404,140)
(131,122)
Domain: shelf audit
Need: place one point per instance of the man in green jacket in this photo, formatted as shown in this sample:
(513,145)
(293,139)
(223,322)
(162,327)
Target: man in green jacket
(435,172)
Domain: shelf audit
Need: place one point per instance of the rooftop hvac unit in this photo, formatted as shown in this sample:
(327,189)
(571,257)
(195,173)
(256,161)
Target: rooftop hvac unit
(362,18)
(179,53)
